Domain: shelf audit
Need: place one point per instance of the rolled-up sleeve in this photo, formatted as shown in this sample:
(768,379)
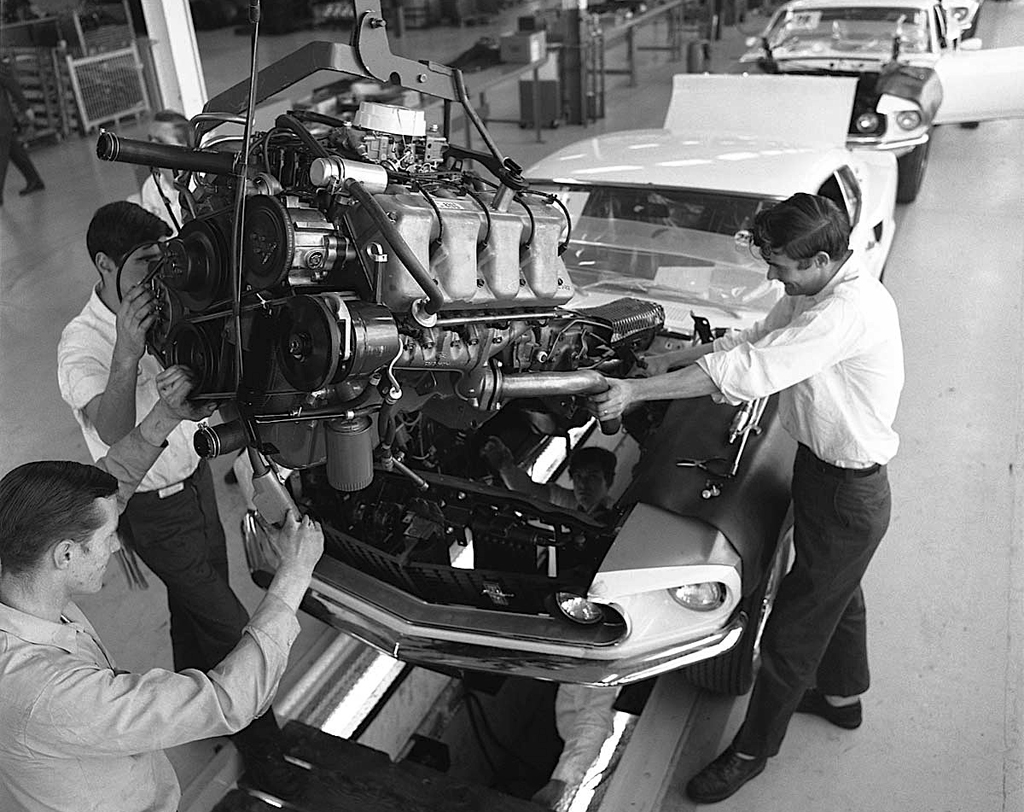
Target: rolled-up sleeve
(107,713)
(82,373)
(782,357)
(128,461)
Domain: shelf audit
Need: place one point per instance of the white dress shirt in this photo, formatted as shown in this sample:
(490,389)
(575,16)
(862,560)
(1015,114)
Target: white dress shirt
(836,358)
(84,356)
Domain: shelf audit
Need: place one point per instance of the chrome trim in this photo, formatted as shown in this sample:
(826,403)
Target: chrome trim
(872,142)
(460,637)
(357,587)
(558,667)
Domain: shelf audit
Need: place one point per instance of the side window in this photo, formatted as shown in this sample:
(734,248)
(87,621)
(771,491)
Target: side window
(842,189)
(851,192)
(939,18)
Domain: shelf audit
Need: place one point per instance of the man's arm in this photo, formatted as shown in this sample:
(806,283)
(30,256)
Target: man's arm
(689,382)
(102,713)
(113,411)
(514,477)
(10,84)
(132,456)
(674,359)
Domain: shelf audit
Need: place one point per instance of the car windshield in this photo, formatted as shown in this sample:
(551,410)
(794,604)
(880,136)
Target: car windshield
(854,30)
(682,247)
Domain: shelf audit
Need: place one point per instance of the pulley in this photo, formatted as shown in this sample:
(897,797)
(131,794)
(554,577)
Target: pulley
(197,262)
(191,345)
(322,339)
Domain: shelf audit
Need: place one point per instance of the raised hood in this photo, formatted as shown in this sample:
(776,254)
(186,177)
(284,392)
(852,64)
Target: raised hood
(793,109)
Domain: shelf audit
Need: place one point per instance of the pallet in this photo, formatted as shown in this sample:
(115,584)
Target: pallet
(43,76)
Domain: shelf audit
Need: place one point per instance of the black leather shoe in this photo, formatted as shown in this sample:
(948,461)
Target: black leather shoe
(847,717)
(723,776)
(36,186)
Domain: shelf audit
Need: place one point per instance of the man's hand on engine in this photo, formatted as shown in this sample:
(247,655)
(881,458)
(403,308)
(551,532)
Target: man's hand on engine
(298,545)
(174,385)
(137,314)
(611,403)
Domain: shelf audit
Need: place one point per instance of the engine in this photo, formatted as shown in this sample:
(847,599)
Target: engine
(362,275)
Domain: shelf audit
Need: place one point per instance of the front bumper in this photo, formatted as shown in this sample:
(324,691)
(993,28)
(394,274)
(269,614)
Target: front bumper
(467,638)
(898,148)
(475,650)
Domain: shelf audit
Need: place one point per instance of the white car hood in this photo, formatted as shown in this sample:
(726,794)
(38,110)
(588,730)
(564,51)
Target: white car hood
(794,109)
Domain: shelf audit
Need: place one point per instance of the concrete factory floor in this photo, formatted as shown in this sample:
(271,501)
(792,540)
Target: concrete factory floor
(943,720)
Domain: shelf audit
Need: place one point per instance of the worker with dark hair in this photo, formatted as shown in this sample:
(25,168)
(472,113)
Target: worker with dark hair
(77,732)
(172,523)
(11,148)
(591,469)
(831,348)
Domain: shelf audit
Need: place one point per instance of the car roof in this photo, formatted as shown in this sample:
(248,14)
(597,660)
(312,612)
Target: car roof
(740,164)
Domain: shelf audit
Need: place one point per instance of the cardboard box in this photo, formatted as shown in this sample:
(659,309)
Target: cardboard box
(523,48)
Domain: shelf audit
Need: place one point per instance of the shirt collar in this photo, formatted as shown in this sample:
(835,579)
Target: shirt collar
(848,270)
(36,630)
(99,310)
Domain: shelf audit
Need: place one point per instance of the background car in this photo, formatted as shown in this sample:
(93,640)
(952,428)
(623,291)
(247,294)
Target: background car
(450,570)
(914,69)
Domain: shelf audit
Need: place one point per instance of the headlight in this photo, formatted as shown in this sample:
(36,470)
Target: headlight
(960,13)
(700,597)
(908,119)
(866,122)
(578,609)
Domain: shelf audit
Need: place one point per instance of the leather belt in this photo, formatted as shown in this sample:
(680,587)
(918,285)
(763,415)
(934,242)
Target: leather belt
(836,471)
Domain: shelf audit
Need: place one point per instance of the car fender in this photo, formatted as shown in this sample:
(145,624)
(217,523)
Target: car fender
(877,174)
(916,84)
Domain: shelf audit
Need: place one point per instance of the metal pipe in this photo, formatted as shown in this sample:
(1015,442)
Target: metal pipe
(286,122)
(490,387)
(111,147)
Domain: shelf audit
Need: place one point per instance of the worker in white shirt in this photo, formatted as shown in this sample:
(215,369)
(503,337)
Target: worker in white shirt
(159,194)
(832,350)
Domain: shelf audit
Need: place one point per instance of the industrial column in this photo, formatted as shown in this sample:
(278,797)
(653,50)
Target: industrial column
(179,71)
(574,61)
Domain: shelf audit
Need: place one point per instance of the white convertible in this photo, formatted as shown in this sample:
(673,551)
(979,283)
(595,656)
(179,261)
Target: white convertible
(663,214)
(913,66)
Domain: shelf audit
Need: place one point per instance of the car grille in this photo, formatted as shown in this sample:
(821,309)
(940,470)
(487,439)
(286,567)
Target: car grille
(445,584)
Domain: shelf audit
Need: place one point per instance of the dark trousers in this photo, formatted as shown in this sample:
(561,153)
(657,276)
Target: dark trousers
(12,149)
(817,632)
(180,538)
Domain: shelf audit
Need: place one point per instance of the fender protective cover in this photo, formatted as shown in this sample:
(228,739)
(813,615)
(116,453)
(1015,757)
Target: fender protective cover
(920,85)
(752,506)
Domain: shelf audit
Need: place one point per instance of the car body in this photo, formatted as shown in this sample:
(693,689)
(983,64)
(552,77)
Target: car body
(734,157)
(684,574)
(914,68)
